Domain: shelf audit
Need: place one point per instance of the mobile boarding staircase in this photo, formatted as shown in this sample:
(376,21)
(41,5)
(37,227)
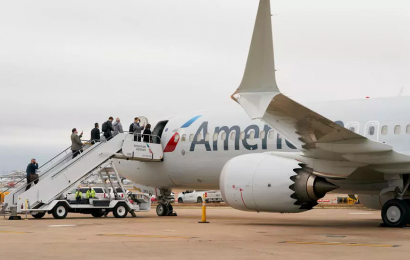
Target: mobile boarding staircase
(62,173)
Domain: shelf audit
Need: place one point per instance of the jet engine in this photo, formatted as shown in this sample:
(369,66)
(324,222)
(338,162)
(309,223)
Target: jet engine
(263,182)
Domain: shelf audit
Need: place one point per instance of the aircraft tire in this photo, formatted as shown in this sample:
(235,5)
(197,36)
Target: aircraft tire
(396,213)
(162,210)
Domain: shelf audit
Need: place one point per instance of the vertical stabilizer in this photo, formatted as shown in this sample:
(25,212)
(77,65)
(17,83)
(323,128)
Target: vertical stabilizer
(258,85)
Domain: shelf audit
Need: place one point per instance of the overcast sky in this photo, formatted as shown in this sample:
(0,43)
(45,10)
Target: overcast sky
(66,64)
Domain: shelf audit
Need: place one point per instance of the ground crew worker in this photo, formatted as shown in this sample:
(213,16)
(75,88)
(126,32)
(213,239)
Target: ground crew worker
(90,193)
(78,196)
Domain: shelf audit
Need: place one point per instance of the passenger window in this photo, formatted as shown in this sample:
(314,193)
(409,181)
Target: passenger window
(191,137)
(252,135)
(199,137)
(215,136)
(176,138)
(352,129)
(207,137)
(262,134)
(223,136)
(408,129)
(397,129)
(98,190)
(83,190)
(183,139)
(242,136)
(271,134)
(233,135)
(384,130)
(371,130)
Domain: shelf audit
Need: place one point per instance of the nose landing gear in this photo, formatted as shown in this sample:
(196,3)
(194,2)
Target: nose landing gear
(164,207)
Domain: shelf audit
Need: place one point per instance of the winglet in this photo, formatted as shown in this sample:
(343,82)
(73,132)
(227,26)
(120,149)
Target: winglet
(258,85)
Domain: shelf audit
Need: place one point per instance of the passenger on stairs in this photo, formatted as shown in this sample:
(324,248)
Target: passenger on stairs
(76,144)
(95,134)
(137,129)
(107,128)
(117,126)
(31,173)
(146,135)
(78,196)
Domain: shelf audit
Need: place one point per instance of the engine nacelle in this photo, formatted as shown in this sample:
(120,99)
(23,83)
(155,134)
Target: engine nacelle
(263,182)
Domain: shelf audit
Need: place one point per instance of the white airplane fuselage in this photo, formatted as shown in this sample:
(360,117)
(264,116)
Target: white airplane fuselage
(209,139)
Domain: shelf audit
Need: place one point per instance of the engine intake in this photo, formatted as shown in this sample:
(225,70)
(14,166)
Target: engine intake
(263,182)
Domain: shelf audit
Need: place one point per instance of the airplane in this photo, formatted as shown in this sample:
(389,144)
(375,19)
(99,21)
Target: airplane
(272,154)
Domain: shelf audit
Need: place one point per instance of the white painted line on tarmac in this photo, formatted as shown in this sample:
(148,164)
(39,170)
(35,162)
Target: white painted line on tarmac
(360,213)
(62,225)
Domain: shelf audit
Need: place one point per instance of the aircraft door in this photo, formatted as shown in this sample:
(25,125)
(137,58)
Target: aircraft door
(143,120)
(158,130)
(372,130)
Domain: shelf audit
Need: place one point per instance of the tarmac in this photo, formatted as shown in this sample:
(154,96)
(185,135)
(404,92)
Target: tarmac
(351,233)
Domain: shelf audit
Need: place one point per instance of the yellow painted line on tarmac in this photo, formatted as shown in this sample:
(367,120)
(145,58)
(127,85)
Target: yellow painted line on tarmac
(145,236)
(335,244)
(13,232)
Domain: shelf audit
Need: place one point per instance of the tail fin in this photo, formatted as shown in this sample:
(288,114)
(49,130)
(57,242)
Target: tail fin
(258,85)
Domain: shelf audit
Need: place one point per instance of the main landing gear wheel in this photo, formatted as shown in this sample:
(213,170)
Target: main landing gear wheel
(162,210)
(120,211)
(396,213)
(38,214)
(60,211)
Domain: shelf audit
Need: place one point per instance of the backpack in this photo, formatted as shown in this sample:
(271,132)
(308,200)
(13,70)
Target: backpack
(104,127)
(131,128)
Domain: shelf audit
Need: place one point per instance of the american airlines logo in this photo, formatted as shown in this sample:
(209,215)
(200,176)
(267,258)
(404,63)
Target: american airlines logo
(211,143)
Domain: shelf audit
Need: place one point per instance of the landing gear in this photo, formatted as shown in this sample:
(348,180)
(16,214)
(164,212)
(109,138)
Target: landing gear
(396,212)
(164,207)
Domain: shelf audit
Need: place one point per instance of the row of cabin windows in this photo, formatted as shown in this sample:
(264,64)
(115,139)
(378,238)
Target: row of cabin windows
(384,130)
(397,129)
(232,136)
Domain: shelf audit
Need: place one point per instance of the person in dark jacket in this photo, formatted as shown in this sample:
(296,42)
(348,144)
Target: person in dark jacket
(95,134)
(107,128)
(146,135)
(31,173)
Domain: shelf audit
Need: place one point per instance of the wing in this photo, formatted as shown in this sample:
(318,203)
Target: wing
(325,146)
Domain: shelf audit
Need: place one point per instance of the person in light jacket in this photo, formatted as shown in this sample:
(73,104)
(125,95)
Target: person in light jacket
(76,144)
(117,126)
(137,129)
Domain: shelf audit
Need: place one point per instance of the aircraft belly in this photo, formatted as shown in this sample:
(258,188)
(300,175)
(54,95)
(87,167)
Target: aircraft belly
(146,173)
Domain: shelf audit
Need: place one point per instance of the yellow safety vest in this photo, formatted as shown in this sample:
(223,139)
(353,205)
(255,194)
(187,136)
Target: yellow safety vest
(78,194)
(90,194)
